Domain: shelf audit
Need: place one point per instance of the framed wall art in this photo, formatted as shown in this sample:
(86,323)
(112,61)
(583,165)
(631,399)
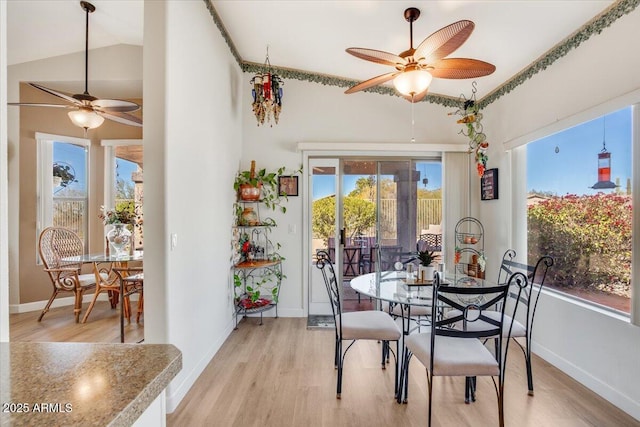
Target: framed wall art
(489,185)
(288,185)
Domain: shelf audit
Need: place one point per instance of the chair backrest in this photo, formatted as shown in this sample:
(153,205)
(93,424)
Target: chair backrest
(536,275)
(387,256)
(330,281)
(472,302)
(429,242)
(58,246)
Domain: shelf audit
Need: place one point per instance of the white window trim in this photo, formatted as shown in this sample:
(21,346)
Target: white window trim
(110,165)
(44,143)
(631,99)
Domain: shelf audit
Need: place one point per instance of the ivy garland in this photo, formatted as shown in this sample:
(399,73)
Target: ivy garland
(593,27)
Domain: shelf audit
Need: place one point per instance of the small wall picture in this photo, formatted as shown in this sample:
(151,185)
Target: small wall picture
(288,185)
(489,185)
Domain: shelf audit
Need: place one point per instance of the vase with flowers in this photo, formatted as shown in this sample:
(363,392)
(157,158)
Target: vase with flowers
(117,222)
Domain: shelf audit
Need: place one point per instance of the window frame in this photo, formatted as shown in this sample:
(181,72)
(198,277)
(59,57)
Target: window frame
(44,187)
(516,149)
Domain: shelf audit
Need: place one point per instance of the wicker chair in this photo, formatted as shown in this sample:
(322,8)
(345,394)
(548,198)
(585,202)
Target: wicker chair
(60,251)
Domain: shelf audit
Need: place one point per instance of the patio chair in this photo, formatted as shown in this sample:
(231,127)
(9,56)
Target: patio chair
(358,325)
(60,251)
(448,350)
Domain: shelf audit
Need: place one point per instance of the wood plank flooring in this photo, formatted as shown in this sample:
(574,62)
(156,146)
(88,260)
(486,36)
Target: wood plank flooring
(281,374)
(58,325)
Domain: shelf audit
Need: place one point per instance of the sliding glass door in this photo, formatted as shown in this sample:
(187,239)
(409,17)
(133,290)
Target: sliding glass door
(358,204)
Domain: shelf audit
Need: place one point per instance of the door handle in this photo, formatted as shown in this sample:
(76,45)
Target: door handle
(342,238)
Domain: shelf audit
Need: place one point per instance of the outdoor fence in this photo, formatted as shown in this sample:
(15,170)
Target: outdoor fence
(69,212)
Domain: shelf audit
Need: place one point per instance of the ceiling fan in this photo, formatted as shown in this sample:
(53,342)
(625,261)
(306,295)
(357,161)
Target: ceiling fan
(89,112)
(415,68)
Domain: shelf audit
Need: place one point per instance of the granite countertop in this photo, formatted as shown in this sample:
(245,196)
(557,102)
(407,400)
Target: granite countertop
(82,384)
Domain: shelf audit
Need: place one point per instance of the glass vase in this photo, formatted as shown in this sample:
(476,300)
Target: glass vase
(119,238)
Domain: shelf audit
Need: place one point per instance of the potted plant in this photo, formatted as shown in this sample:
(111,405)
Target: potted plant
(426,264)
(63,174)
(260,185)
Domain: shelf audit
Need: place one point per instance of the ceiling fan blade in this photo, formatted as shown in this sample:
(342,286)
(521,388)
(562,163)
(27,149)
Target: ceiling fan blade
(31,104)
(377,56)
(416,98)
(443,42)
(115,105)
(124,118)
(62,95)
(461,68)
(372,82)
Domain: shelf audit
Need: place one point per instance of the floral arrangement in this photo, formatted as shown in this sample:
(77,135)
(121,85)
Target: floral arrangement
(472,129)
(117,216)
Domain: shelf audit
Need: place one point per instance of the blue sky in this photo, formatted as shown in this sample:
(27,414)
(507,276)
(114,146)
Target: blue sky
(574,168)
(74,155)
(323,185)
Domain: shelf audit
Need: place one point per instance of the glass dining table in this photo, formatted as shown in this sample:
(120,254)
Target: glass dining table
(407,292)
(101,258)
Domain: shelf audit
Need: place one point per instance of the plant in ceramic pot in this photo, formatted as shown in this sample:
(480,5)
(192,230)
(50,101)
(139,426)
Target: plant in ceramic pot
(260,185)
(427,268)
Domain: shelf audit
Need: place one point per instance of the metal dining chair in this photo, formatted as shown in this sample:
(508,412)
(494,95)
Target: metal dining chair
(452,348)
(358,325)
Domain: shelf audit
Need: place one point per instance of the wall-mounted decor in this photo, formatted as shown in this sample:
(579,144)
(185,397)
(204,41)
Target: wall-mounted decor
(288,185)
(489,184)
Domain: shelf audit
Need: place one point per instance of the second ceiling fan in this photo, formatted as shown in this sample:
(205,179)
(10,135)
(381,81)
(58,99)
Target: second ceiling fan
(415,68)
(89,112)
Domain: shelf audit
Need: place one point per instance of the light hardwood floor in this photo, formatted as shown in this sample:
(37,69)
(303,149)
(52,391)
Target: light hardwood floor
(58,325)
(281,374)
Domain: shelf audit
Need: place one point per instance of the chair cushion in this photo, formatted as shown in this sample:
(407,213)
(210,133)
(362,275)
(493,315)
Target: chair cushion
(416,310)
(368,325)
(517,330)
(453,356)
(87,280)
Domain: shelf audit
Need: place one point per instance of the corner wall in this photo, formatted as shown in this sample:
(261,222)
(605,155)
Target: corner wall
(192,143)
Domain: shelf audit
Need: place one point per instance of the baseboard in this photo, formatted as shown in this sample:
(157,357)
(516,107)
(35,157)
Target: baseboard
(58,302)
(177,392)
(592,383)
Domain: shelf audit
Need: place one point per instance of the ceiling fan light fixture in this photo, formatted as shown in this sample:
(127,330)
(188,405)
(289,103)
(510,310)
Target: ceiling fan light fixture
(85,118)
(412,82)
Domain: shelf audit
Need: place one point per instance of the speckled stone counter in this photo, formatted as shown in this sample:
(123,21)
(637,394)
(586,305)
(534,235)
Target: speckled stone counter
(82,384)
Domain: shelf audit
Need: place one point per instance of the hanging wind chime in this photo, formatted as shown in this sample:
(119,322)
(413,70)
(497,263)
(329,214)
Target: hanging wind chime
(267,94)
(473,129)
(604,164)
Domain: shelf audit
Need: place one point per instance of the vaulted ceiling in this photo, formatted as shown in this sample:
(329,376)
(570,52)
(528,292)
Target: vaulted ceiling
(311,36)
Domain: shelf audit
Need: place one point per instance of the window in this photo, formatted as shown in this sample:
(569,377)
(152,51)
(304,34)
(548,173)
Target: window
(63,188)
(579,208)
(123,179)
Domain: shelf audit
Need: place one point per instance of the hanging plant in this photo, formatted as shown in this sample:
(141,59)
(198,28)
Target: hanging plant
(64,173)
(473,129)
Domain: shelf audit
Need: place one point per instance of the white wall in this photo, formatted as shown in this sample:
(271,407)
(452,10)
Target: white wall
(313,112)
(596,348)
(192,143)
